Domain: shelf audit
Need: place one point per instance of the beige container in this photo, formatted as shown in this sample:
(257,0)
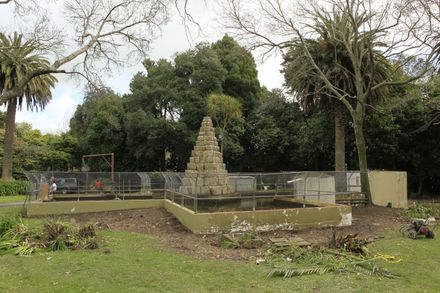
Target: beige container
(44,191)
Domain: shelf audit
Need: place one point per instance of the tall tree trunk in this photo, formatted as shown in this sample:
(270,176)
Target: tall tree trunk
(339,139)
(222,139)
(163,159)
(9,140)
(362,157)
(420,188)
(340,175)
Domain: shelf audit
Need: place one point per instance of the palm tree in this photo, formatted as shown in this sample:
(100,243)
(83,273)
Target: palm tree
(16,59)
(332,58)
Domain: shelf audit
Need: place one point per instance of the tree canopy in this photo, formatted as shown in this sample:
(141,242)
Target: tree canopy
(154,126)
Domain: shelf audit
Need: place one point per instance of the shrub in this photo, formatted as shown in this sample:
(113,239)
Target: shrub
(86,231)
(9,222)
(15,187)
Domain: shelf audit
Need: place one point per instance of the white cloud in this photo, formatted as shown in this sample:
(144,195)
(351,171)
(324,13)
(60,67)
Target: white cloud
(56,116)
(269,72)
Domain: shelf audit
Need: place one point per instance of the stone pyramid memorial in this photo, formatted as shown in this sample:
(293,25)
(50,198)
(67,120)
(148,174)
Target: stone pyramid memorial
(206,173)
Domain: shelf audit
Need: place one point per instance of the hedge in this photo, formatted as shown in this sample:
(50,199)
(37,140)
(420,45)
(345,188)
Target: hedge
(15,187)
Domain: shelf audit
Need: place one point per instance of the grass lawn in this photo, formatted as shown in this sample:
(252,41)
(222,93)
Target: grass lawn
(139,263)
(12,198)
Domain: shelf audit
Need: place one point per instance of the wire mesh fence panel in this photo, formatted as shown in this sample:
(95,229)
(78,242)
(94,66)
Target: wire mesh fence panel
(200,191)
(92,185)
(173,180)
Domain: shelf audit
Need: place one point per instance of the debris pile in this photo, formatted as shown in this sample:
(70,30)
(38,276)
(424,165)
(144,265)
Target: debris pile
(350,242)
(20,239)
(345,254)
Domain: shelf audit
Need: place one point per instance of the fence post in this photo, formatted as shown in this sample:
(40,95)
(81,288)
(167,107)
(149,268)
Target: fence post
(195,204)
(119,185)
(319,187)
(29,190)
(77,185)
(305,190)
(293,185)
(254,202)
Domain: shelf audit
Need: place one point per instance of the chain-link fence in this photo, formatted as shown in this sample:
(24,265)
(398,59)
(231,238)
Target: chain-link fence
(202,192)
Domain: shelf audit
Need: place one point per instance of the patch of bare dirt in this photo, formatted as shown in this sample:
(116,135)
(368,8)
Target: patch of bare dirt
(368,222)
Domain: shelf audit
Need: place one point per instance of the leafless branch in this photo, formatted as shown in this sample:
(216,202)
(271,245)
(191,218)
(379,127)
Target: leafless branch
(270,25)
(105,33)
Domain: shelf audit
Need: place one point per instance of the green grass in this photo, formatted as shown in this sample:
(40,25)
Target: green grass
(5,211)
(139,263)
(12,198)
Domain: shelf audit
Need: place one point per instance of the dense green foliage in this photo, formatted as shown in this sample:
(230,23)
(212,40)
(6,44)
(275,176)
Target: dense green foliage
(35,151)
(155,125)
(13,187)
(224,110)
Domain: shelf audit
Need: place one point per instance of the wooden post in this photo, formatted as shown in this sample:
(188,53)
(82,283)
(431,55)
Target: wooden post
(113,168)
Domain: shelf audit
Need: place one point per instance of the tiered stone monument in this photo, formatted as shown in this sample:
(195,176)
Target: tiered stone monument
(206,173)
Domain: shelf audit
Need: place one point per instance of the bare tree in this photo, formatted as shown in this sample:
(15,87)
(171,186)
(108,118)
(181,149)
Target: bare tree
(361,28)
(105,34)
(428,13)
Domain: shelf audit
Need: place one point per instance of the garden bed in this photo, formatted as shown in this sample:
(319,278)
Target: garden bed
(368,222)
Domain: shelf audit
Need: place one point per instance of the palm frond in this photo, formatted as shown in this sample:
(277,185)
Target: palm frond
(17,59)
(292,272)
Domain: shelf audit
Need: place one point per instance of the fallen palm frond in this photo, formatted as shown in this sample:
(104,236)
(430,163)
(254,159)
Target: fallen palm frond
(290,272)
(17,238)
(294,261)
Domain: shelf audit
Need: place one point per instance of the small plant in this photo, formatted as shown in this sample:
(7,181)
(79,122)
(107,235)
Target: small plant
(250,240)
(57,244)
(247,240)
(54,229)
(9,222)
(228,242)
(86,231)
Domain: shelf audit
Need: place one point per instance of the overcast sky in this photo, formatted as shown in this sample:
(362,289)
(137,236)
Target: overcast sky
(69,93)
